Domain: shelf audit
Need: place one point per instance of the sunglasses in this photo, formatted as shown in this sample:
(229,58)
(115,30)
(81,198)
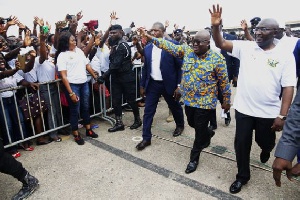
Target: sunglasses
(199,42)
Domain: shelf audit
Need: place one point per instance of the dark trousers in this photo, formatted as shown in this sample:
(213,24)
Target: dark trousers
(126,89)
(154,90)
(213,119)
(264,137)
(9,165)
(198,119)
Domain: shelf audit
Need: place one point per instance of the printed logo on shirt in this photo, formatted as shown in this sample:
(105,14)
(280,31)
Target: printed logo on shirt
(272,63)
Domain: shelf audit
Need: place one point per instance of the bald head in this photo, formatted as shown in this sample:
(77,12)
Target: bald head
(203,35)
(159,25)
(269,23)
(265,32)
(201,42)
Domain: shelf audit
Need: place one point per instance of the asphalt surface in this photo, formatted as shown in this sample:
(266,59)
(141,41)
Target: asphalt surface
(110,167)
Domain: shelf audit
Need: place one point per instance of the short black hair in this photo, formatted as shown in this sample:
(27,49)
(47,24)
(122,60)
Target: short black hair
(116,27)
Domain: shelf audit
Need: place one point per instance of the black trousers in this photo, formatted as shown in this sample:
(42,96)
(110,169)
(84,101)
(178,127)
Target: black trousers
(213,119)
(264,137)
(9,165)
(128,90)
(198,119)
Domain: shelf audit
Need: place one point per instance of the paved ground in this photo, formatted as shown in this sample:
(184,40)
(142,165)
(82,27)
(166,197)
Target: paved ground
(110,167)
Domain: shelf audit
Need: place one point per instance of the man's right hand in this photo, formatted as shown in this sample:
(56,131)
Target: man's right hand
(100,80)
(279,165)
(244,25)
(142,92)
(226,107)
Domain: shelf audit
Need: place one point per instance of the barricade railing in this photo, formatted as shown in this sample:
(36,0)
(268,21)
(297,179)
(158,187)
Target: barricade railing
(99,108)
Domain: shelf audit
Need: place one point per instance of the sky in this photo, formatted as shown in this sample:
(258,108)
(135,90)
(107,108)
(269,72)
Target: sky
(193,14)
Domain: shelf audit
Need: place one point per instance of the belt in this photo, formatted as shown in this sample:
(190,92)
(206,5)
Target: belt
(156,80)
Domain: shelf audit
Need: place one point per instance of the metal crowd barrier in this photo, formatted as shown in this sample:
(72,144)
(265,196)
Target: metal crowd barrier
(102,112)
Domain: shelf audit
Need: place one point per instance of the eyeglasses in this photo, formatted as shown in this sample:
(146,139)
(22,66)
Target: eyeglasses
(263,29)
(199,42)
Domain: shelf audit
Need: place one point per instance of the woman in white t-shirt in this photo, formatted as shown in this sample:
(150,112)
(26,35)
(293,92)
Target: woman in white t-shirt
(72,65)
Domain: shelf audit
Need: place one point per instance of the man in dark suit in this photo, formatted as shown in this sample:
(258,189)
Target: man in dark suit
(161,75)
(233,65)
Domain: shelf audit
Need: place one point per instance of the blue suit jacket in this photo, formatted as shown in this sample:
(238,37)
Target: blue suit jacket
(170,68)
(232,63)
(230,60)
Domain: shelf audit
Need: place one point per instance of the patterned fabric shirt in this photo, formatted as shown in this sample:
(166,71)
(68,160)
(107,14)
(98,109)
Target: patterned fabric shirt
(201,77)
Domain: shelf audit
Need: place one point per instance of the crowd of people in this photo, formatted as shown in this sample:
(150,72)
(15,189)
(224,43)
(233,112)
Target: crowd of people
(194,71)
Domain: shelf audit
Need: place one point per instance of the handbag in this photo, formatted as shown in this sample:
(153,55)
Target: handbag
(34,109)
(63,99)
(97,87)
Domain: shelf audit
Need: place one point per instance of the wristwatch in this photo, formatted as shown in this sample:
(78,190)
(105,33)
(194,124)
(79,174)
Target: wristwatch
(71,94)
(282,117)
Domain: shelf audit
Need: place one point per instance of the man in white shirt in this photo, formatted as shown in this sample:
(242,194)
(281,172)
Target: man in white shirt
(263,72)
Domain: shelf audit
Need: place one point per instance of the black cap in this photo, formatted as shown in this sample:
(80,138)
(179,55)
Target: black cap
(255,20)
(178,31)
(116,27)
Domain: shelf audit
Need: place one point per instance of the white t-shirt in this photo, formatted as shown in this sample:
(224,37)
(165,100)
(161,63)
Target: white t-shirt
(95,64)
(75,63)
(261,75)
(288,43)
(9,82)
(41,72)
(103,56)
(52,50)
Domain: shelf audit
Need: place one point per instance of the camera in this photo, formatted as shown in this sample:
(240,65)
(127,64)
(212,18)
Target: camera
(132,25)
(91,25)
(70,17)
(5,20)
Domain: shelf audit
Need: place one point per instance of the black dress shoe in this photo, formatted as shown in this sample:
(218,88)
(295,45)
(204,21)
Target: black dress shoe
(212,127)
(191,167)
(227,121)
(178,131)
(236,187)
(143,144)
(264,156)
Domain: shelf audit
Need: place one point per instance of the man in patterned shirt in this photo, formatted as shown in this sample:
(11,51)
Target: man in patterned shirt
(202,71)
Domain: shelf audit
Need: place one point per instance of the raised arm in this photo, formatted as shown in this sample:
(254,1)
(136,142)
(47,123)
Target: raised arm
(113,18)
(216,20)
(174,49)
(43,48)
(244,26)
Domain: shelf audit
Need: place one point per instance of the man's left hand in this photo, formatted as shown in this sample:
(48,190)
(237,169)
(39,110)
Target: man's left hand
(226,107)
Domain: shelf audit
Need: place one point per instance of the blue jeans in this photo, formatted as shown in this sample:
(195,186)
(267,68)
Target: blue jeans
(13,128)
(80,108)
